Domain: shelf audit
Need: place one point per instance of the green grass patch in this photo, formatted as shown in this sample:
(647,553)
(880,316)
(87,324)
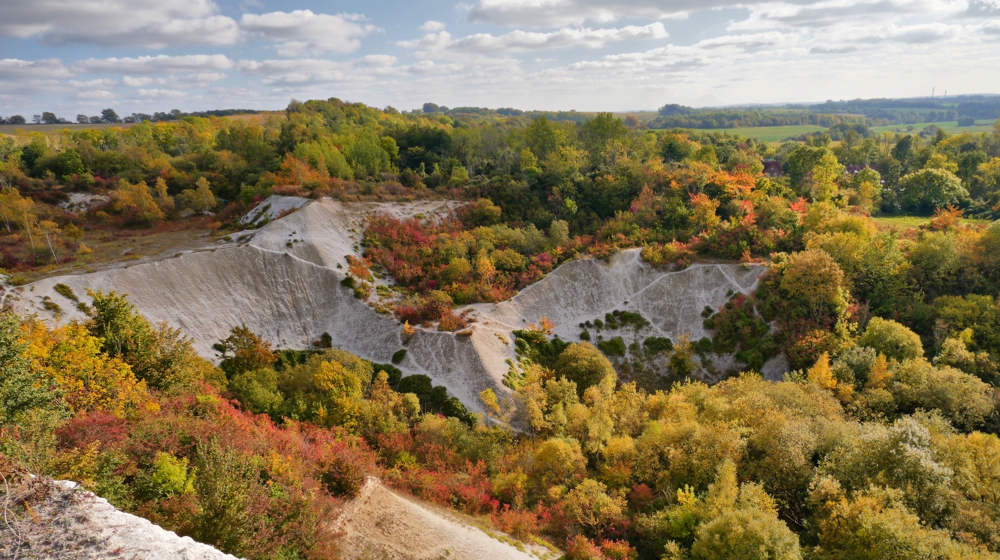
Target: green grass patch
(767,133)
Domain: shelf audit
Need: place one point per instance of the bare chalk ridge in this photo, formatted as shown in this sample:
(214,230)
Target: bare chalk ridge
(283,282)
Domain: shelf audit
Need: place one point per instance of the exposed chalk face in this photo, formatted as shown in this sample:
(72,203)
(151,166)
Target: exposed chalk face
(283,282)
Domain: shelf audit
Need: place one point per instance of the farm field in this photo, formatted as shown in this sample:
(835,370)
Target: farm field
(51,128)
(767,133)
(951,127)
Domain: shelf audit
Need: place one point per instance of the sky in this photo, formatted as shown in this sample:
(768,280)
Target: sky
(80,56)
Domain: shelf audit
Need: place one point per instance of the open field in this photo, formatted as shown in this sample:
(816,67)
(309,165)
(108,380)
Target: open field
(951,127)
(50,128)
(767,133)
(258,118)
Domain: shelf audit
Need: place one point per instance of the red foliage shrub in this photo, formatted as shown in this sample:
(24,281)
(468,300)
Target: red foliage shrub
(579,547)
(517,522)
(424,256)
(82,430)
(451,322)
(467,489)
(641,497)
(618,550)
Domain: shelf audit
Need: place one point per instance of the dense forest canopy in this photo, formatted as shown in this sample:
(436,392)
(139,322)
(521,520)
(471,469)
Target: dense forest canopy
(880,442)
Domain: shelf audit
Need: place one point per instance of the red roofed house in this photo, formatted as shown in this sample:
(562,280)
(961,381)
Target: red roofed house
(772,168)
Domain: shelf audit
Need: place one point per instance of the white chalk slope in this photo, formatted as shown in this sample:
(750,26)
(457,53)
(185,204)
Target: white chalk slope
(283,282)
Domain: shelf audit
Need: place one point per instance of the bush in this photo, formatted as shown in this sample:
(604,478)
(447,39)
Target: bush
(66,292)
(704,345)
(613,347)
(398,356)
(657,344)
(419,385)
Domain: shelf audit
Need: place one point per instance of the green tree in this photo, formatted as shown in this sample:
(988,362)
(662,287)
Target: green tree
(584,365)
(599,131)
(892,339)
(800,164)
(929,189)
(69,163)
(823,177)
(159,355)
(542,137)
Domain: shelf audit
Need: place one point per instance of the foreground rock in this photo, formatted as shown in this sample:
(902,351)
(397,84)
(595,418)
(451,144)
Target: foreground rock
(56,520)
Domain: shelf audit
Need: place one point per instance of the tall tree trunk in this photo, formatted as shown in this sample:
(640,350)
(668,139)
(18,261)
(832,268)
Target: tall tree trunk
(49,241)
(31,239)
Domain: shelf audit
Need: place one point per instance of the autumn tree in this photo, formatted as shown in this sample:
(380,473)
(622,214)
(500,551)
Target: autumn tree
(137,198)
(814,279)
(90,380)
(243,350)
(22,387)
(199,199)
(163,198)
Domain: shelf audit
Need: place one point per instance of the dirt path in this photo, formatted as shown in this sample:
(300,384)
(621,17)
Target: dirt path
(380,523)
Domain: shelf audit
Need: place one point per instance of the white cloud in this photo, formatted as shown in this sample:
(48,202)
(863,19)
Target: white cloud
(137,82)
(161,94)
(431,26)
(155,64)
(117,23)
(378,60)
(557,13)
(296,71)
(923,33)
(303,32)
(15,69)
(201,78)
(524,41)
(95,94)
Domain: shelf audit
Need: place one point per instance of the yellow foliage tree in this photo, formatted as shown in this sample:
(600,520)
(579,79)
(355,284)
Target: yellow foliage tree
(90,380)
(136,198)
(163,198)
(200,199)
(821,375)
